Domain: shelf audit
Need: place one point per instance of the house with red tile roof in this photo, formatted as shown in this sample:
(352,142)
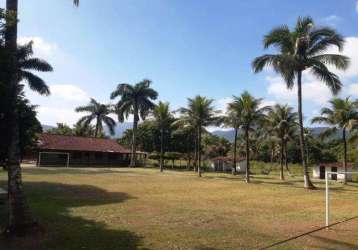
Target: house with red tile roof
(70,150)
(319,171)
(225,163)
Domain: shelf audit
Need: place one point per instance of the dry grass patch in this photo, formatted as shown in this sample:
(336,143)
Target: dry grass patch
(144,209)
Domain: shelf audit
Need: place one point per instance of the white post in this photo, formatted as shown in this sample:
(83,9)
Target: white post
(39,161)
(68,160)
(327,200)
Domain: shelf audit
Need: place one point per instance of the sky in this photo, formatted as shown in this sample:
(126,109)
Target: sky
(185,47)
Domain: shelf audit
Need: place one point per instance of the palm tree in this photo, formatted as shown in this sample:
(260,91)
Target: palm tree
(100,113)
(135,100)
(164,119)
(199,114)
(251,116)
(282,122)
(343,114)
(19,213)
(234,112)
(299,50)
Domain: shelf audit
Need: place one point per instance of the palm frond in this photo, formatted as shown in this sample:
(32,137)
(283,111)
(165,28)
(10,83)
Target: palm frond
(35,83)
(330,79)
(339,61)
(35,64)
(279,37)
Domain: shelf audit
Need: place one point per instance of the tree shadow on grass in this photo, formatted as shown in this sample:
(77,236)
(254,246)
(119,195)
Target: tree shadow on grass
(333,244)
(79,171)
(51,204)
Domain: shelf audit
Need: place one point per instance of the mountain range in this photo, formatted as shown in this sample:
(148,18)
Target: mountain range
(119,130)
(227,134)
(230,134)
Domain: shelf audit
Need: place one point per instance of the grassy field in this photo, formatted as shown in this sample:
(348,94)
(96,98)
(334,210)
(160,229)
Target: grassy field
(143,209)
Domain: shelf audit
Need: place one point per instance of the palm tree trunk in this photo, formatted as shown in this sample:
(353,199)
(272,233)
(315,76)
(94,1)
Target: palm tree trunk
(281,161)
(161,149)
(235,146)
(286,159)
(195,151)
(134,139)
(247,155)
(199,151)
(96,129)
(19,213)
(345,155)
(307,182)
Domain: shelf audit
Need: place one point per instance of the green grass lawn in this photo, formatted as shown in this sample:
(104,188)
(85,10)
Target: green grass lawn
(143,209)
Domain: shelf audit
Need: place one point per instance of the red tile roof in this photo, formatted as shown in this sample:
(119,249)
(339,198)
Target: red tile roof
(77,143)
(227,158)
(335,164)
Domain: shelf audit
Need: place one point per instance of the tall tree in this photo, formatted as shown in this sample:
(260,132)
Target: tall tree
(163,119)
(303,49)
(60,129)
(19,213)
(234,112)
(29,127)
(99,113)
(282,121)
(136,100)
(251,116)
(200,113)
(343,115)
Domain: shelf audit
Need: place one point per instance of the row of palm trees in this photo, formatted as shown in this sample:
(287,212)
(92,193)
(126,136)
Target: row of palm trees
(300,49)
(244,113)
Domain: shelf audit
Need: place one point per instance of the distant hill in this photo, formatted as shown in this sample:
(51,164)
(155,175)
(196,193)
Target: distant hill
(46,128)
(119,130)
(229,134)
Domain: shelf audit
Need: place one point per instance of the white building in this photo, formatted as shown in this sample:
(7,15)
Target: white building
(224,164)
(320,170)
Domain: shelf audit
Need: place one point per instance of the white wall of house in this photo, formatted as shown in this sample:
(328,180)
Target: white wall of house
(241,168)
(227,166)
(317,173)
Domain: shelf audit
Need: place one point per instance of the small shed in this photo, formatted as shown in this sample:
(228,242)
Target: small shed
(224,164)
(319,171)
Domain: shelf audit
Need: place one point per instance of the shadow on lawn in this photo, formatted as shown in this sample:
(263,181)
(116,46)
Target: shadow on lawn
(84,170)
(333,244)
(51,204)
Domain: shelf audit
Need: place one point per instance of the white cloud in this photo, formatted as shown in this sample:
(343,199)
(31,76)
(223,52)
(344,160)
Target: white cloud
(357,6)
(350,50)
(52,115)
(313,91)
(266,103)
(221,104)
(41,47)
(351,90)
(60,106)
(69,92)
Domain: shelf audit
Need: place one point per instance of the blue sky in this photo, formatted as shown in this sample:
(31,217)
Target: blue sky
(185,47)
